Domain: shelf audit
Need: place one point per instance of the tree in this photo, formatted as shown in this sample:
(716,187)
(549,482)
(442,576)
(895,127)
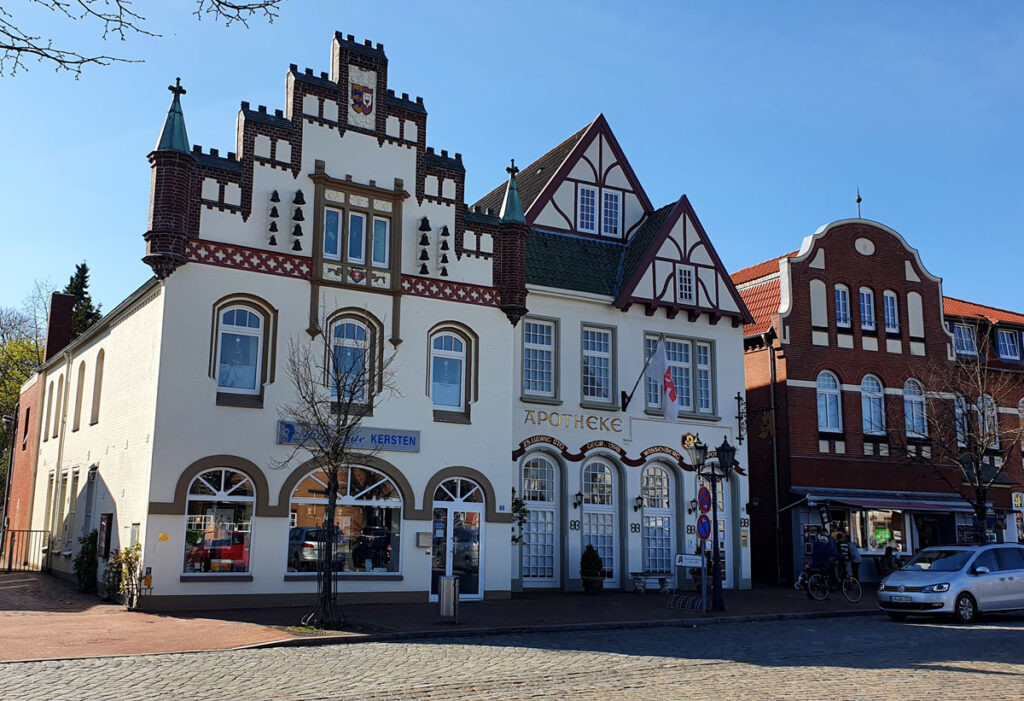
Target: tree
(110,19)
(83,313)
(336,387)
(953,427)
(20,353)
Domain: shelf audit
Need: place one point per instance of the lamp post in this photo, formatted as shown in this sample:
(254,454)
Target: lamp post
(713,473)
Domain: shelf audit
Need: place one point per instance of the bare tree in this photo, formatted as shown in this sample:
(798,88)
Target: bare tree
(953,428)
(336,387)
(117,19)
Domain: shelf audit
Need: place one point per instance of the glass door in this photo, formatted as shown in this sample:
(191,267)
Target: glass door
(456,537)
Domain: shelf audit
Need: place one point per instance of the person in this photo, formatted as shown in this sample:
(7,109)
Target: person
(843,548)
(854,557)
(886,563)
(824,554)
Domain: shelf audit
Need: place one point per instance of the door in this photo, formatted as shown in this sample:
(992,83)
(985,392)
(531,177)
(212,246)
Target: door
(989,589)
(457,542)
(1011,571)
(541,538)
(598,518)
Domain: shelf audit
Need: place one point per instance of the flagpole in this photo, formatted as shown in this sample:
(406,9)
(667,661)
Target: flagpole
(625,399)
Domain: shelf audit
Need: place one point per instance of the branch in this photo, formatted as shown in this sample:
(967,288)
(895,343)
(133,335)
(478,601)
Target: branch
(240,12)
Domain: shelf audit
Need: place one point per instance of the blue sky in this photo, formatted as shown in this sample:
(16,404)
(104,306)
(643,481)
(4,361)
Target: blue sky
(768,115)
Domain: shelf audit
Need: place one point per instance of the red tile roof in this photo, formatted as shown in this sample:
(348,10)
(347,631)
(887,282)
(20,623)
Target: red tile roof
(958,307)
(760,270)
(763,302)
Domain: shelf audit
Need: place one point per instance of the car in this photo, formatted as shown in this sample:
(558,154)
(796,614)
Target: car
(962,581)
(304,548)
(373,548)
(229,553)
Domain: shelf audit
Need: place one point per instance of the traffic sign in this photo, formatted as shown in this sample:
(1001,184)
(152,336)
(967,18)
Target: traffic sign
(704,499)
(689,560)
(704,527)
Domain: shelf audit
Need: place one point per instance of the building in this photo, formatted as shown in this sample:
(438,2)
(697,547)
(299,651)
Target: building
(511,329)
(845,330)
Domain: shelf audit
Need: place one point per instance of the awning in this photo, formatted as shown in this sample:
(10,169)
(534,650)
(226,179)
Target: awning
(915,505)
(882,500)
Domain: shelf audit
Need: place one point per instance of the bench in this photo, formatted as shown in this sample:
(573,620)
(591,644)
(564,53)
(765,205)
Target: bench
(640,581)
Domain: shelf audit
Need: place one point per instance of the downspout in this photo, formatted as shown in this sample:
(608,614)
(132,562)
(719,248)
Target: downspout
(770,347)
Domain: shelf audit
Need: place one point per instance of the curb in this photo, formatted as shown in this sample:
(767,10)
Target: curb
(354,638)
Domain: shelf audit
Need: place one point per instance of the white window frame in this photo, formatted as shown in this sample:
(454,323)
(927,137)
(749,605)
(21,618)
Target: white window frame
(1012,344)
(679,368)
(364,344)
(686,279)
(963,336)
(914,409)
(442,353)
(387,243)
(221,495)
(361,260)
(704,373)
(891,307)
(870,400)
(657,506)
(616,197)
(334,255)
(540,348)
(867,308)
(256,333)
(829,393)
(609,356)
(592,190)
(842,306)
(543,468)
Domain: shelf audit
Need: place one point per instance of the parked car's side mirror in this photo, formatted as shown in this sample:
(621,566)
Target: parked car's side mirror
(981,569)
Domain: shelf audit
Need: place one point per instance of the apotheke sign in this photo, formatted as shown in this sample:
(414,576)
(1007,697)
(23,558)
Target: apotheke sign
(362,438)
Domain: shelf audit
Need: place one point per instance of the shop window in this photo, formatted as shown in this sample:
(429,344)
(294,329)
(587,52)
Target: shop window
(539,357)
(656,525)
(830,418)
(885,529)
(892,314)
(842,306)
(367,519)
(914,409)
(867,309)
(597,365)
(97,387)
(218,522)
(872,402)
(540,530)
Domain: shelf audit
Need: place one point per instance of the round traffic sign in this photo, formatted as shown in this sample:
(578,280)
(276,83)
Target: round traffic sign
(704,527)
(704,499)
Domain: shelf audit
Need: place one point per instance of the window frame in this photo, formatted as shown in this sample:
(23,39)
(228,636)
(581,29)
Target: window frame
(968,334)
(596,192)
(868,397)
(617,196)
(462,356)
(1012,338)
(867,316)
(97,386)
(611,355)
(365,345)
(826,392)
(267,349)
(386,262)
(224,497)
(530,394)
(365,217)
(336,255)
(887,297)
(912,401)
(693,410)
(259,334)
(680,286)
(842,312)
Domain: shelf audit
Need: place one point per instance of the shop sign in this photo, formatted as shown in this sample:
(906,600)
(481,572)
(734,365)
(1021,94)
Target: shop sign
(362,437)
(1018,501)
(587,422)
(689,560)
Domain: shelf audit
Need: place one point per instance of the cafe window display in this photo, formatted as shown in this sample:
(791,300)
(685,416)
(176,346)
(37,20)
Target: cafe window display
(368,517)
(877,530)
(218,522)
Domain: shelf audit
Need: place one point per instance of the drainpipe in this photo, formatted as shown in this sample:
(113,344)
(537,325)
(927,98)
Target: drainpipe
(769,345)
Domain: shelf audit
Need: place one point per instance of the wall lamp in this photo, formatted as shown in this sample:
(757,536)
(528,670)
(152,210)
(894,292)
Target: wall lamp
(577,500)
(692,506)
(638,503)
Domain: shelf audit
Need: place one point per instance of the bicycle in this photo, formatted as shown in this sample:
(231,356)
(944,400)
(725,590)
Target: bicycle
(819,584)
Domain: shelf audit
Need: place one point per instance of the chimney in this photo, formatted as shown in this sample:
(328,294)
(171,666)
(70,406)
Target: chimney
(58,327)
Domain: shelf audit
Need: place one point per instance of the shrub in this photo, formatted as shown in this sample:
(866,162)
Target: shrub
(86,564)
(591,564)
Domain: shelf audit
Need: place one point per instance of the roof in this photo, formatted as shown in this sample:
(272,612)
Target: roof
(262,116)
(511,207)
(635,249)
(553,260)
(173,136)
(443,160)
(763,302)
(958,307)
(533,178)
(760,270)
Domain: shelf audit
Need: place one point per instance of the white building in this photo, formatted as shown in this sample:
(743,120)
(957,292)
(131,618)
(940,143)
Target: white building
(515,328)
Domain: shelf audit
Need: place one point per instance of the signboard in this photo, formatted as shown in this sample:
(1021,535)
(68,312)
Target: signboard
(689,560)
(362,437)
(704,499)
(704,527)
(1018,501)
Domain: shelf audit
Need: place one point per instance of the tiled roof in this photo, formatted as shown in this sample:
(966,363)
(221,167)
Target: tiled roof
(533,178)
(572,262)
(760,270)
(642,240)
(958,307)
(763,302)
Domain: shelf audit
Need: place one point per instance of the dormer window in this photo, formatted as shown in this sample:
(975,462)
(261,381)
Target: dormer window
(611,213)
(586,210)
(963,340)
(687,291)
(1009,348)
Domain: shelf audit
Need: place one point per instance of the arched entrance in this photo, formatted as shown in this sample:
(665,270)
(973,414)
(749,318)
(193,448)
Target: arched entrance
(458,536)
(599,523)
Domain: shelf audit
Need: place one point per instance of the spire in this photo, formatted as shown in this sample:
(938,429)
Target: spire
(174,137)
(858,201)
(511,206)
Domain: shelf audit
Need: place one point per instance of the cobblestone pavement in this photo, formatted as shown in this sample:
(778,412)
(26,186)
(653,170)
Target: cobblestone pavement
(826,658)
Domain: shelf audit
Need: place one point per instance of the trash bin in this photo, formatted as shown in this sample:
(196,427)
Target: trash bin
(448,597)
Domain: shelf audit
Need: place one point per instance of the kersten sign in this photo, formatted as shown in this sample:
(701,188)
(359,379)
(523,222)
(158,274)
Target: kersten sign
(363,437)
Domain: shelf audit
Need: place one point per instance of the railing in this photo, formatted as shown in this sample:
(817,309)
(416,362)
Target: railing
(25,551)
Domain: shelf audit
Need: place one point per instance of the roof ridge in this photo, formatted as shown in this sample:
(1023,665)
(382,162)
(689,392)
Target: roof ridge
(977,304)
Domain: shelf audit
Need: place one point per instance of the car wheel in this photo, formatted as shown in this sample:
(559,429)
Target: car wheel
(897,616)
(965,610)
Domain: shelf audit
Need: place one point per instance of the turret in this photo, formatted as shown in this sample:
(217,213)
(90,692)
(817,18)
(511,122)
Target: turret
(510,251)
(173,174)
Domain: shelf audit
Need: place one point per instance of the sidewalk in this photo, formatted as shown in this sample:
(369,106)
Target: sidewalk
(42,618)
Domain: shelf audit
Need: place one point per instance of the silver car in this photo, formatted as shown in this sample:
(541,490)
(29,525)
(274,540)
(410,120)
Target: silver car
(958,580)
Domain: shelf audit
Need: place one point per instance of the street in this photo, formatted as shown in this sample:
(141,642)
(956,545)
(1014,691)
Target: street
(863,657)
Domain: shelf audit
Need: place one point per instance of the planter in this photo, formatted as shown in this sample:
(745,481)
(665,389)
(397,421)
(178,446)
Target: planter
(593,585)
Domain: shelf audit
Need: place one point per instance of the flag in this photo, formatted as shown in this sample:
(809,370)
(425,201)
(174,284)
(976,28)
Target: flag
(660,374)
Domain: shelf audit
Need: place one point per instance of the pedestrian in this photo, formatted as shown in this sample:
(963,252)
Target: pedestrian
(843,550)
(854,557)
(886,563)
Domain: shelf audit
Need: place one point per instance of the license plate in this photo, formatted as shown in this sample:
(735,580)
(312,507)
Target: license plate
(900,598)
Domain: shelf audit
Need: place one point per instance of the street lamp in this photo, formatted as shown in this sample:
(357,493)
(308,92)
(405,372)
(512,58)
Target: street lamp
(713,473)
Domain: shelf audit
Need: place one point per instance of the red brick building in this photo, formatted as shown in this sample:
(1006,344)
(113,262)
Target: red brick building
(845,329)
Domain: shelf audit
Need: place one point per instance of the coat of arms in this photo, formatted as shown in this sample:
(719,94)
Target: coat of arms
(362,99)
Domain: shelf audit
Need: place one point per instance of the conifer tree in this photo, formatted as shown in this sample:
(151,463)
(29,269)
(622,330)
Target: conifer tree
(84,314)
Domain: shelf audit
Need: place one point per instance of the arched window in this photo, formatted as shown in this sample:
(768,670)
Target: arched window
(872,403)
(368,518)
(240,351)
(57,406)
(598,514)
(218,522)
(97,387)
(988,421)
(459,489)
(349,370)
(867,308)
(842,306)
(656,495)
(830,417)
(914,409)
(540,530)
(448,371)
(78,397)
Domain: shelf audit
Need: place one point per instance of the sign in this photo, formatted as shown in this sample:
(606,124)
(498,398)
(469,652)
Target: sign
(689,560)
(1018,501)
(704,527)
(362,437)
(587,422)
(704,499)
(164,537)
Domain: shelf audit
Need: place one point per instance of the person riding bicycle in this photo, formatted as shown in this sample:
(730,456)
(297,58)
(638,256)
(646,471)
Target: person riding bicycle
(823,555)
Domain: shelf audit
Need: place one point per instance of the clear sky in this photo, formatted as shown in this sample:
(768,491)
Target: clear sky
(768,115)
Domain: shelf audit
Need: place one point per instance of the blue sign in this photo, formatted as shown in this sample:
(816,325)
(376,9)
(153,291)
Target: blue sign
(704,527)
(704,499)
(362,437)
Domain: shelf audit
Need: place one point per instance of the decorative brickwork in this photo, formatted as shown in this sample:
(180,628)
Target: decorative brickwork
(451,291)
(251,259)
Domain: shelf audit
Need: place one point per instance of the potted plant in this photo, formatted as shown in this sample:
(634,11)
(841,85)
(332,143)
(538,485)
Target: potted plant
(591,571)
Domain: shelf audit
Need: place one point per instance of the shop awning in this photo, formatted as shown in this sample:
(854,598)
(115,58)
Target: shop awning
(916,505)
(880,500)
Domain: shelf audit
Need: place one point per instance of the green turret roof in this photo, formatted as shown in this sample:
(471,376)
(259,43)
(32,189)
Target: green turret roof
(174,137)
(511,206)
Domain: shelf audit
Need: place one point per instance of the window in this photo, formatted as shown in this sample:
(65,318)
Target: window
(867,309)
(693,377)
(892,314)
(829,412)
(240,351)
(885,529)
(597,365)
(69,522)
(447,371)
(960,409)
(687,291)
(842,306)
(872,402)
(988,422)
(57,406)
(914,409)
(77,421)
(49,406)
(1008,345)
(597,484)
(539,358)
(332,234)
(381,235)
(90,497)
(218,522)
(704,403)
(97,386)
(598,514)
(356,238)
(963,339)
(368,518)
(540,530)
(586,209)
(62,498)
(611,212)
(656,526)
(48,509)
(347,374)
(24,430)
